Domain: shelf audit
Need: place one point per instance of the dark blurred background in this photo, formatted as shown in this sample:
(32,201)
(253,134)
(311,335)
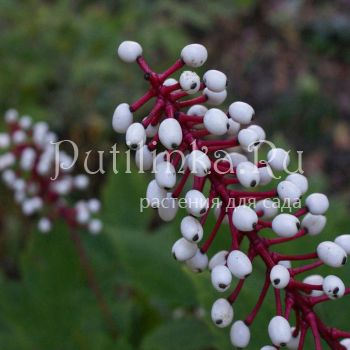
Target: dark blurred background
(289,59)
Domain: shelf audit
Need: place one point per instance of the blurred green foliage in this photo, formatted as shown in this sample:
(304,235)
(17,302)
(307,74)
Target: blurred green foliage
(289,59)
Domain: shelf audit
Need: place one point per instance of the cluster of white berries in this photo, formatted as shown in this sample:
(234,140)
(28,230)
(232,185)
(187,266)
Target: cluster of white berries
(191,140)
(28,164)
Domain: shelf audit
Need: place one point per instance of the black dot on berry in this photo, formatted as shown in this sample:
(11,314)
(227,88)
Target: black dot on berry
(228,126)
(167,188)
(254,225)
(195,237)
(147,76)
(283,344)
(176,114)
(218,321)
(276,281)
(344,261)
(336,290)
(222,285)
(253,183)
(173,145)
(133,146)
(202,211)
(257,143)
(174,256)
(247,275)
(298,225)
(193,86)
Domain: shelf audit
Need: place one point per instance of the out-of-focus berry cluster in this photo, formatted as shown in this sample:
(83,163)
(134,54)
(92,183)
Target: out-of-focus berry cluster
(180,135)
(28,163)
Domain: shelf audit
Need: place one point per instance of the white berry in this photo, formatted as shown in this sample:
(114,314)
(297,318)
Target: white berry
(189,82)
(215,98)
(122,118)
(248,174)
(165,175)
(314,224)
(278,159)
(244,218)
(194,55)
(240,334)
(199,163)
(191,229)
(248,139)
(239,264)
(300,181)
(221,278)
(222,313)
(198,262)
(129,51)
(170,133)
(135,136)
(155,194)
(333,287)
(215,80)
(241,112)
(216,121)
(288,192)
(218,259)
(279,331)
(279,276)
(267,207)
(183,250)
(285,225)
(196,202)
(344,242)
(317,203)
(316,280)
(331,254)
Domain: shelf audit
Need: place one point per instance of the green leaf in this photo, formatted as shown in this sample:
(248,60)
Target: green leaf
(147,258)
(184,334)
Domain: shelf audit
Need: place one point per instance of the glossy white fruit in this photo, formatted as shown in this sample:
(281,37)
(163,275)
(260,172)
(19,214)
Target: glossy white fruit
(129,51)
(144,158)
(168,208)
(165,175)
(216,121)
(300,181)
(155,194)
(239,264)
(221,278)
(189,82)
(135,136)
(198,262)
(215,80)
(240,334)
(244,218)
(196,202)
(194,55)
(218,259)
(317,203)
(222,313)
(314,224)
(279,331)
(199,163)
(279,276)
(215,98)
(285,225)
(278,159)
(248,174)
(122,118)
(316,280)
(288,192)
(191,229)
(268,207)
(241,112)
(170,133)
(331,254)
(334,287)
(344,242)
(183,250)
